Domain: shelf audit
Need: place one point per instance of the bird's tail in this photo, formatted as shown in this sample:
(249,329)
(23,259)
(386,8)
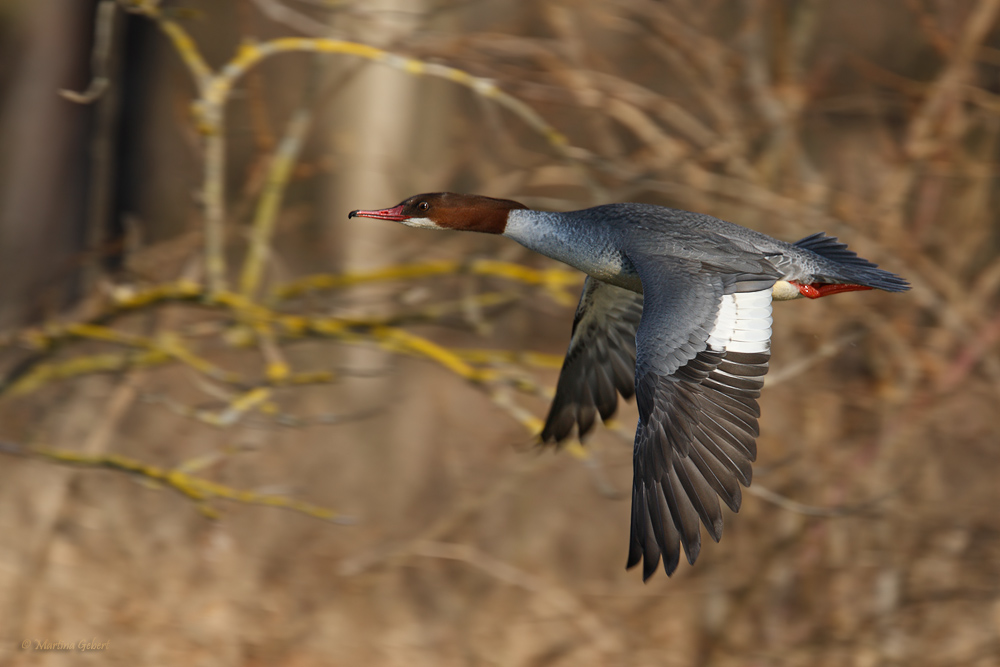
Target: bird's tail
(845,265)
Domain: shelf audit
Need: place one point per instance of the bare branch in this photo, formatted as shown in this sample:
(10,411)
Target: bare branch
(103,31)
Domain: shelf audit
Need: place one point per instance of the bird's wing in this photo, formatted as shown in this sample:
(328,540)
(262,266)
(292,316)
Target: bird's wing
(703,347)
(600,362)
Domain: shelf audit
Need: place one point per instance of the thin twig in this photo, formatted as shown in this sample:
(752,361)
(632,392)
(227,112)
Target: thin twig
(589,623)
(281,13)
(275,183)
(197,489)
(100,56)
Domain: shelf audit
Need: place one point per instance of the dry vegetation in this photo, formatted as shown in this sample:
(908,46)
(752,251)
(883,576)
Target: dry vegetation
(225,369)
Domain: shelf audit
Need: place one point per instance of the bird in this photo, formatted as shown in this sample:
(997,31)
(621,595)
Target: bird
(675,310)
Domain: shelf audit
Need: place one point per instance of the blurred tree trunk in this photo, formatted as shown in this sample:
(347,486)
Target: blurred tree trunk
(43,165)
(377,125)
(372,127)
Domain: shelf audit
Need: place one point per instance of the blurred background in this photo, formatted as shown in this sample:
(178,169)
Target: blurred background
(872,533)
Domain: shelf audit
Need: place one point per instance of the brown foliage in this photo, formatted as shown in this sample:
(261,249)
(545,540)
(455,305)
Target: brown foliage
(404,396)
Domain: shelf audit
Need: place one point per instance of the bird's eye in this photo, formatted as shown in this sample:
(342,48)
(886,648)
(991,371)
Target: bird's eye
(423,206)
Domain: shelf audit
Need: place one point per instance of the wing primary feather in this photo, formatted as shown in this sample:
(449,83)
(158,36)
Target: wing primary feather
(651,550)
(684,515)
(702,496)
(635,552)
(671,544)
(720,477)
(724,431)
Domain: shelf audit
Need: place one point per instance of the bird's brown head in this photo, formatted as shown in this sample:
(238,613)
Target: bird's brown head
(447,210)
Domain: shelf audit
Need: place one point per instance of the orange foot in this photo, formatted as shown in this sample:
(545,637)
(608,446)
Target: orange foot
(817,290)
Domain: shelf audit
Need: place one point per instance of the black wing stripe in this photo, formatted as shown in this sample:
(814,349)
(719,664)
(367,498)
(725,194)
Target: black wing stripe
(730,367)
(742,359)
(733,386)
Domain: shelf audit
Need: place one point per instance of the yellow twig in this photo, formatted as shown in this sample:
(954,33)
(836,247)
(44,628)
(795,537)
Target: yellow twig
(250,54)
(182,290)
(174,345)
(270,200)
(277,369)
(105,334)
(522,416)
(535,359)
(331,281)
(242,404)
(214,89)
(395,339)
(99,363)
(167,344)
(553,278)
(270,325)
(185,46)
(197,489)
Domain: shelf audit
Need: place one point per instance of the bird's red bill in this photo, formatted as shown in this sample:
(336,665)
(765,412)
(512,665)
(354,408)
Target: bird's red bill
(394,213)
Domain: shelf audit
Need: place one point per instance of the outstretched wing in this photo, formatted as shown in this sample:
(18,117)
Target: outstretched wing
(600,362)
(703,348)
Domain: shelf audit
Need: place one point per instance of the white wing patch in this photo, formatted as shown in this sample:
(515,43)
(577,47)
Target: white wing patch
(743,323)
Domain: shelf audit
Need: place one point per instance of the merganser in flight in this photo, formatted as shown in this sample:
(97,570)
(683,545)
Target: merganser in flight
(676,309)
